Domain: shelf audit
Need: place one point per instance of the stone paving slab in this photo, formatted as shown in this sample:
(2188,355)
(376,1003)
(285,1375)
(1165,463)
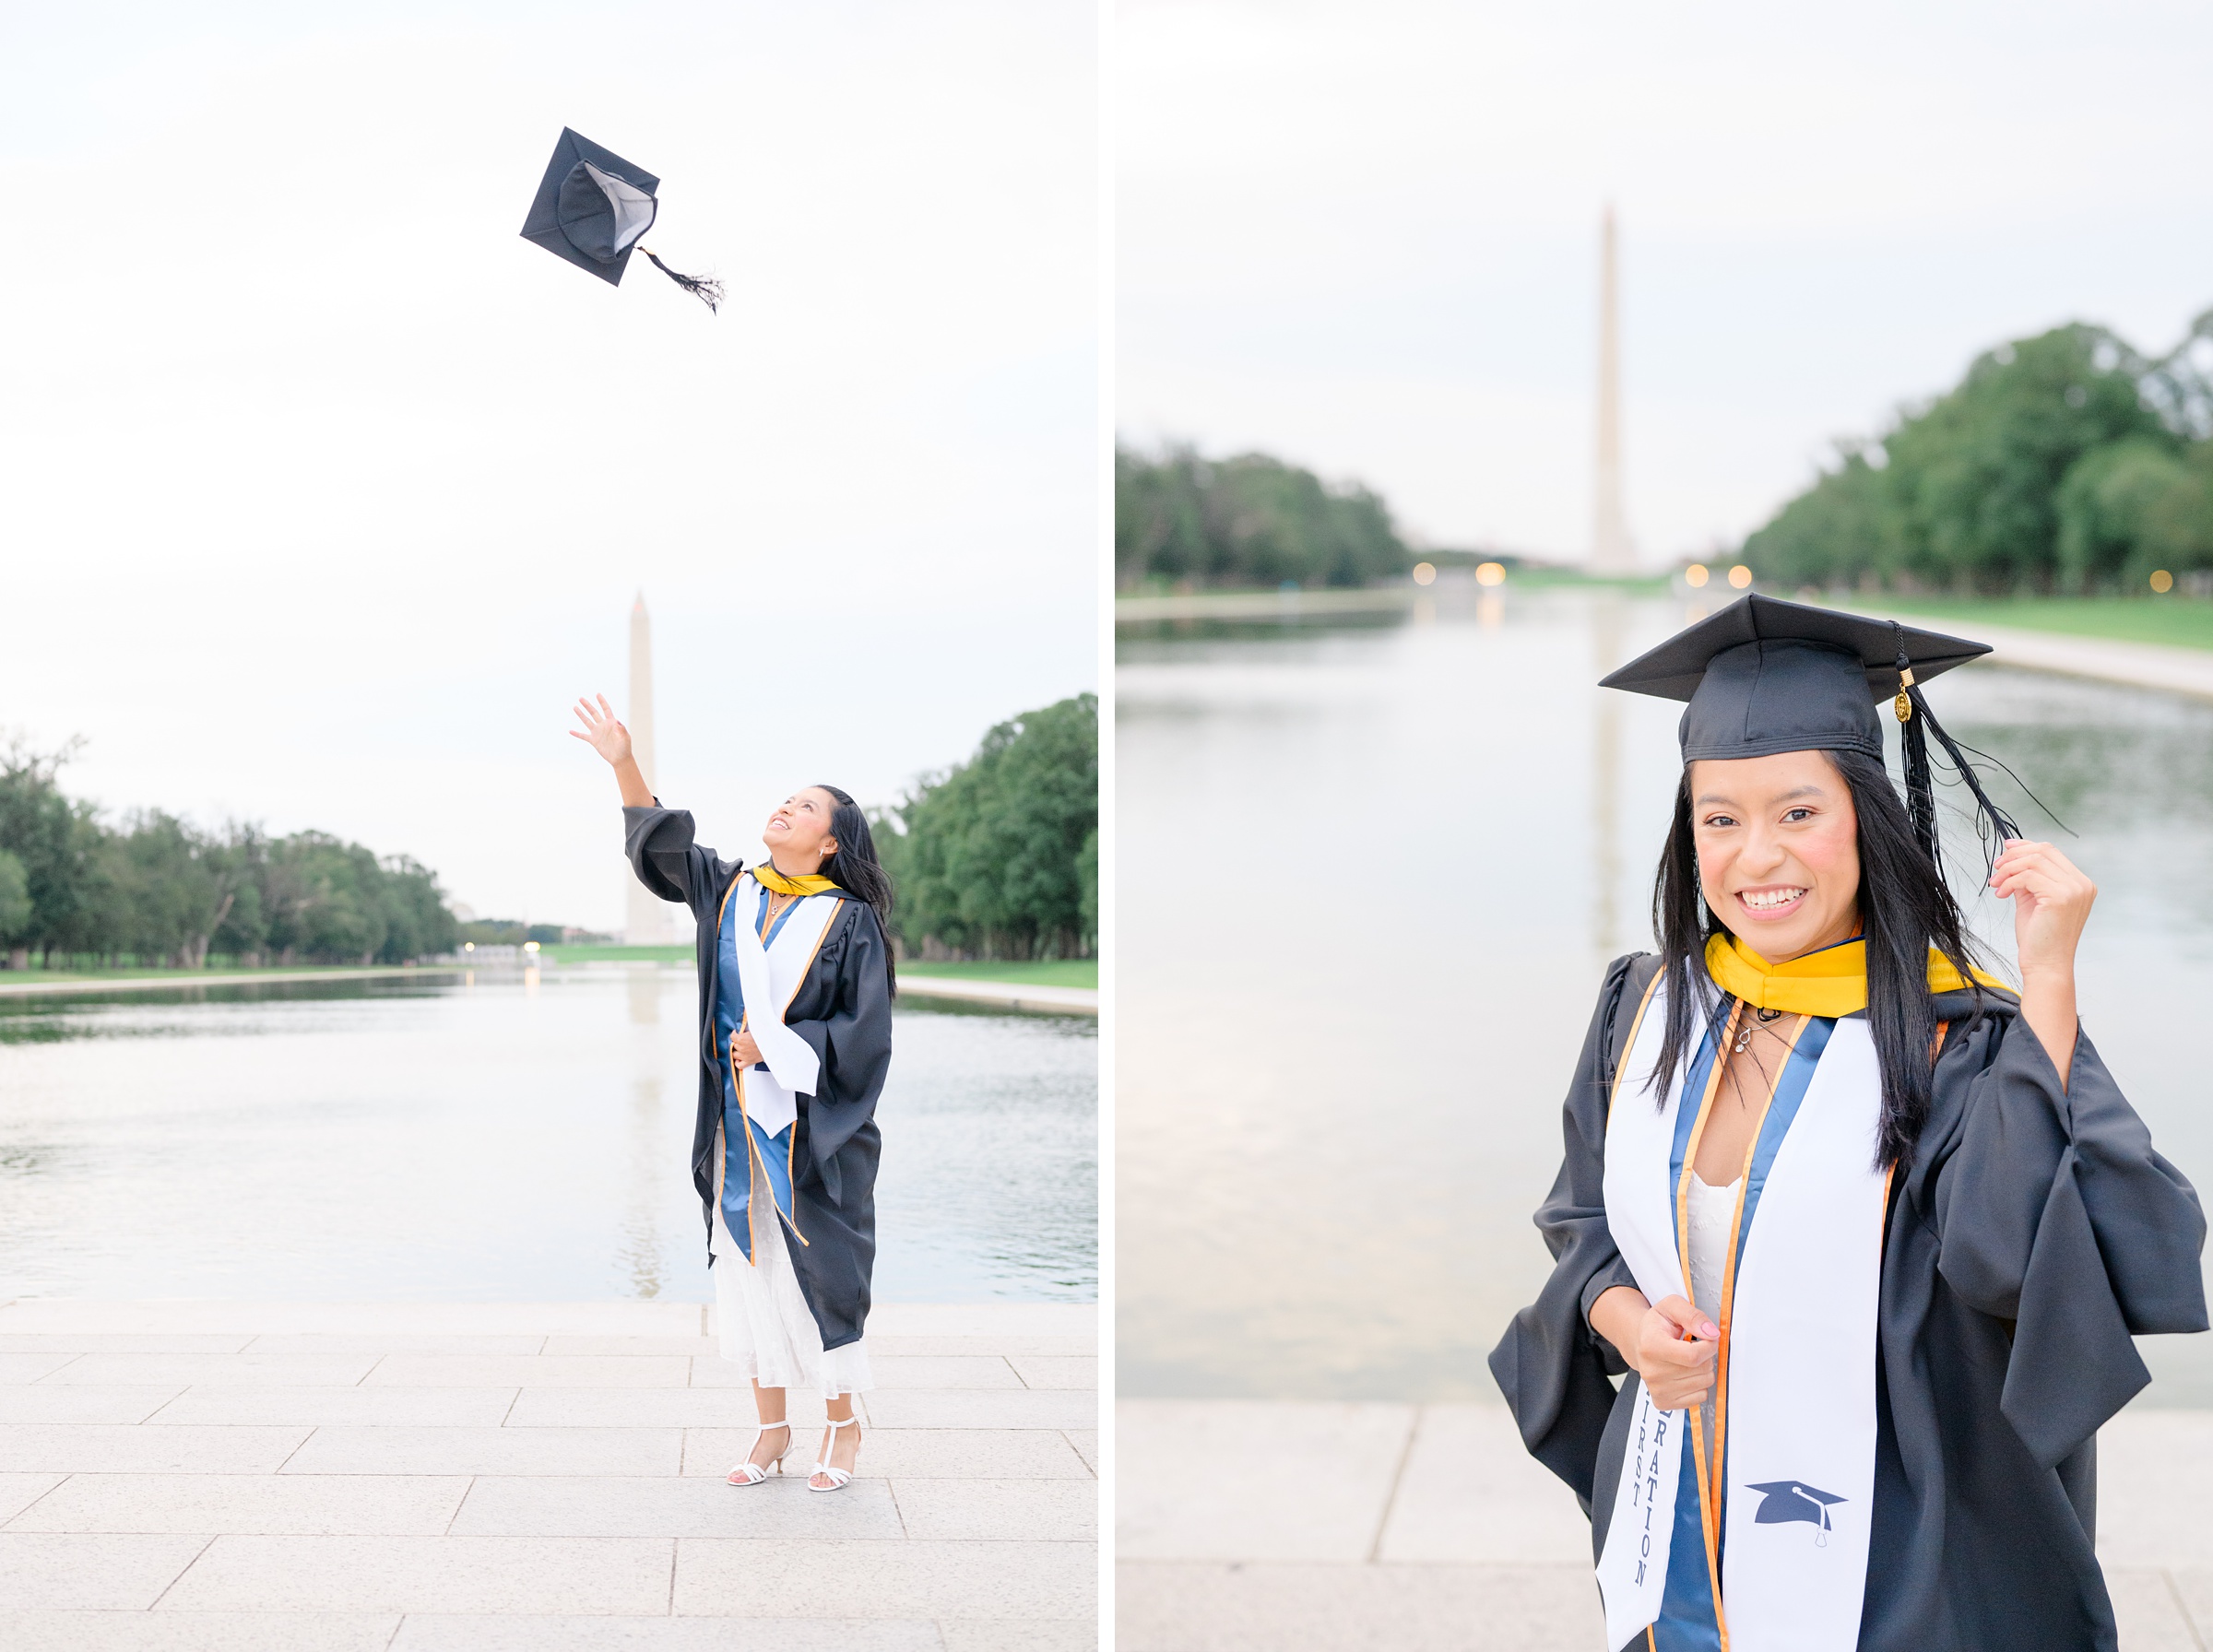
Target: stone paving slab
(915,1578)
(49,1570)
(318,1407)
(893,1371)
(93,1448)
(528,1371)
(487,1451)
(1055,1370)
(485,1633)
(195,1631)
(426,1573)
(919,1454)
(1058,1511)
(217,1370)
(1087,1346)
(428,1342)
(656,1408)
(261,1504)
(964,1635)
(331,1476)
(121,1342)
(65,1402)
(1435,1530)
(962,1408)
(665,1505)
(18,1492)
(29,1367)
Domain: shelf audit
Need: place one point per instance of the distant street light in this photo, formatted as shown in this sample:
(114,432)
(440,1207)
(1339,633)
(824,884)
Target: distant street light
(1490,573)
(2161,580)
(1695,575)
(1424,573)
(1740,576)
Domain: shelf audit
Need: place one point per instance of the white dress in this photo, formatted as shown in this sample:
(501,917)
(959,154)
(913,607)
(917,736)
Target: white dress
(768,1330)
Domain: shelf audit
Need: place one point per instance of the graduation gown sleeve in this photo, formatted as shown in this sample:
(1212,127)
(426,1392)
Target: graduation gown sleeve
(1551,1365)
(2036,1231)
(663,853)
(847,1019)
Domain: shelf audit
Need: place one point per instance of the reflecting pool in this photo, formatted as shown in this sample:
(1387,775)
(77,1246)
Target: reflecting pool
(507,1138)
(1342,1046)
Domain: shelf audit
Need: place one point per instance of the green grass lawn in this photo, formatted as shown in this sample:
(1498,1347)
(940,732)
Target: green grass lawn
(1051,972)
(2176,621)
(582,954)
(1054,971)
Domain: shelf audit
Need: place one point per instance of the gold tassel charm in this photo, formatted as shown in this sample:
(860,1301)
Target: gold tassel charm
(1903,705)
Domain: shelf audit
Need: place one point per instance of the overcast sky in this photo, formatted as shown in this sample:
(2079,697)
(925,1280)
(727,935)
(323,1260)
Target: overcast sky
(326,493)
(1363,233)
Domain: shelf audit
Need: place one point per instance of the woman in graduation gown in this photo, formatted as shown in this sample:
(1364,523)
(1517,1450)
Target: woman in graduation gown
(795,1010)
(1865,1233)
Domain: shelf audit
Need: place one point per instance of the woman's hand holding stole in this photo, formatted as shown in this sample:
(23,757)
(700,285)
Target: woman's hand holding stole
(1670,1345)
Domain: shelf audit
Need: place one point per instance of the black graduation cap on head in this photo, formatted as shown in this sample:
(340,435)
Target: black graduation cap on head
(1764,676)
(592,208)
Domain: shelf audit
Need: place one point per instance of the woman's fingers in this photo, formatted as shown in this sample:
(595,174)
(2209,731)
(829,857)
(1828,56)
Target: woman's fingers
(1686,1317)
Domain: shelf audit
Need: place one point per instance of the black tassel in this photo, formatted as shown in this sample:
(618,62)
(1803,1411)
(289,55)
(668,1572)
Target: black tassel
(1915,724)
(705,288)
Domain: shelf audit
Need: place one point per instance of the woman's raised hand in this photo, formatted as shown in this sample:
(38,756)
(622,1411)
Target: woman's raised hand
(1674,1353)
(600,731)
(2051,904)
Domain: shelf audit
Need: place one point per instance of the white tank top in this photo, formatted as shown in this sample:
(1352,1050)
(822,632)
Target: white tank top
(1713,1212)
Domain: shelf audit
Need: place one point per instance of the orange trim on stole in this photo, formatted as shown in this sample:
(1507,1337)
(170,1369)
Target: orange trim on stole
(1698,1431)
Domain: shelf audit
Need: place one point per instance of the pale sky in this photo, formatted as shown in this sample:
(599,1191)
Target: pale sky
(326,493)
(1361,234)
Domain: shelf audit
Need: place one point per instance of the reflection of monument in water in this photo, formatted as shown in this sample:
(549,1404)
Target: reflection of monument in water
(645,923)
(1610,551)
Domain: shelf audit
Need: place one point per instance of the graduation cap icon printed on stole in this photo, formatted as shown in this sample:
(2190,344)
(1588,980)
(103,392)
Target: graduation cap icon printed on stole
(1785,1500)
(593,209)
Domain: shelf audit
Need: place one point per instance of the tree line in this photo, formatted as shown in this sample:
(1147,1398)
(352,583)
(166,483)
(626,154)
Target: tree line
(154,889)
(2068,463)
(1185,521)
(998,858)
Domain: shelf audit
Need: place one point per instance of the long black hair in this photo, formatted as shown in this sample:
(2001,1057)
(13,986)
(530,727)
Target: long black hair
(1905,909)
(856,869)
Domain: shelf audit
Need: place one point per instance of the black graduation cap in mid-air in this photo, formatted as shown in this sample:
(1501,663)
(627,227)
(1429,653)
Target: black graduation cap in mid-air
(1765,676)
(593,207)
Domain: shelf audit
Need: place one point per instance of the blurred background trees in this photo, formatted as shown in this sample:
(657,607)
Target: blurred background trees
(999,857)
(1252,521)
(2068,463)
(155,889)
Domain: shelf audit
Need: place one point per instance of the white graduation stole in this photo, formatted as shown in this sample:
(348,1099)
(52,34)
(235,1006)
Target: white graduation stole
(770,977)
(1797,1426)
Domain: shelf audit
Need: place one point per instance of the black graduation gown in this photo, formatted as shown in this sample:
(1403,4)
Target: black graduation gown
(843,1011)
(2034,1233)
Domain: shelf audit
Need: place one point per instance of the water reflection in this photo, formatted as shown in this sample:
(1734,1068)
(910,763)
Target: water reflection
(1341,1069)
(489,1139)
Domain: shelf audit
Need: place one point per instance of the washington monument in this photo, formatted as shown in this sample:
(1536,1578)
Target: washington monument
(647,923)
(1610,551)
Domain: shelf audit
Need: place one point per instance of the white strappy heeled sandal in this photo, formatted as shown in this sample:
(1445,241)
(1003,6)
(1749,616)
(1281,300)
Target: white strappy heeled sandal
(839,1478)
(749,1472)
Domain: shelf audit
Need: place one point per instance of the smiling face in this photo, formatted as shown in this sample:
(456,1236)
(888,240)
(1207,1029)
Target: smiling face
(1779,851)
(798,834)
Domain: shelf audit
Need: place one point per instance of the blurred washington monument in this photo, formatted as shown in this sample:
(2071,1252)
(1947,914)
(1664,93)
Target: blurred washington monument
(647,920)
(1610,551)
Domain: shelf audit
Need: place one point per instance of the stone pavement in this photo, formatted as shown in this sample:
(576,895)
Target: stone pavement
(213,1477)
(1259,1526)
